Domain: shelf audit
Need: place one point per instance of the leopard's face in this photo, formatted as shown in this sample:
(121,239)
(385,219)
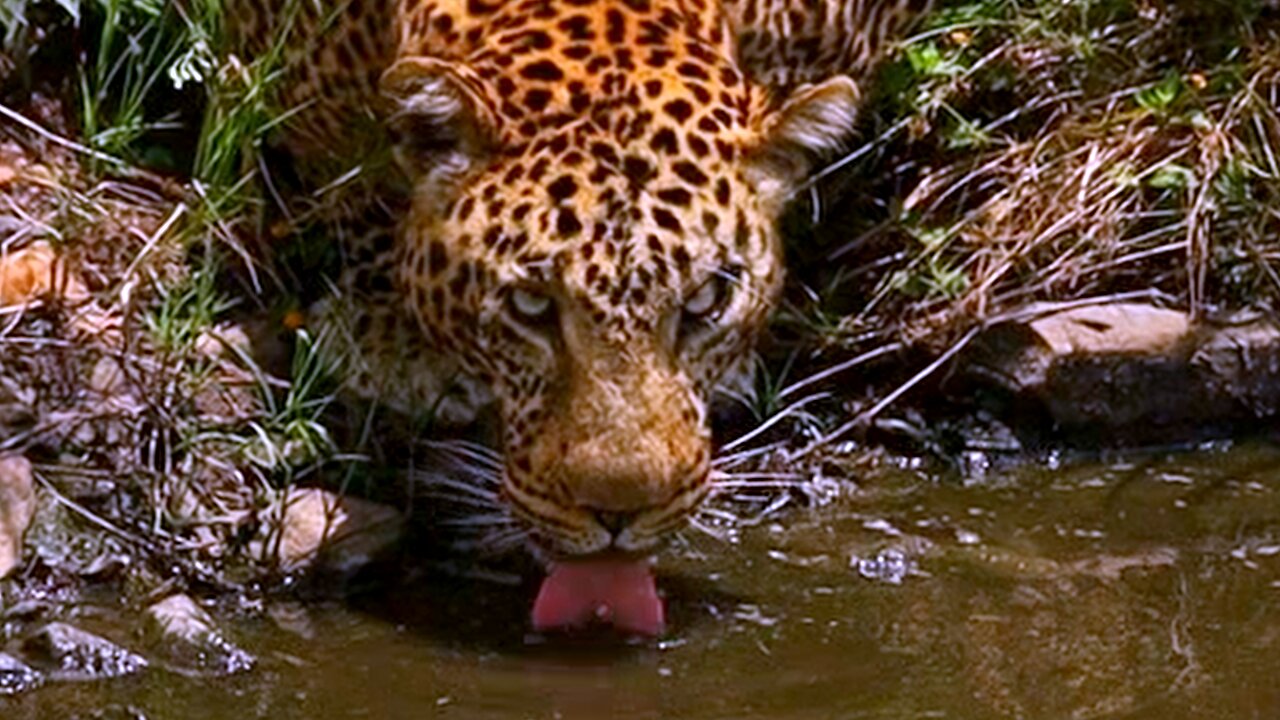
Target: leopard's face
(601,311)
(599,249)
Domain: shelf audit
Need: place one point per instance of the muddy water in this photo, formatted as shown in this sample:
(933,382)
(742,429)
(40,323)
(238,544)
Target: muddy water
(1140,588)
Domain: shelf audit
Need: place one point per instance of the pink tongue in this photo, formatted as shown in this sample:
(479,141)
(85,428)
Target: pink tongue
(616,591)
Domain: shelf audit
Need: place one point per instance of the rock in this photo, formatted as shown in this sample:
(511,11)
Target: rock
(293,617)
(1242,362)
(17,508)
(1025,354)
(191,640)
(315,529)
(890,566)
(73,654)
(37,271)
(26,609)
(59,541)
(1121,328)
(1126,374)
(16,677)
(17,406)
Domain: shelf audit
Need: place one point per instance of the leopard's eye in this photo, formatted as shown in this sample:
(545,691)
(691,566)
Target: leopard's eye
(710,297)
(705,299)
(531,306)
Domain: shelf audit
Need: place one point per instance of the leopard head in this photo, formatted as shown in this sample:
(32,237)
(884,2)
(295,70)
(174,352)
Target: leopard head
(593,234)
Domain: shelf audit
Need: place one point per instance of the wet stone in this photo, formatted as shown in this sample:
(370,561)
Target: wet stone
(73,654)
(311,529)
(190,639)
(1125,374)
(16,677)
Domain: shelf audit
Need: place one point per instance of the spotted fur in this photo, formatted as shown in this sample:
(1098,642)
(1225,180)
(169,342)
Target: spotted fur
(590,238)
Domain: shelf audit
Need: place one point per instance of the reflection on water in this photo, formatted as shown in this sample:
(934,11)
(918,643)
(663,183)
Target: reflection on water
(1142,588)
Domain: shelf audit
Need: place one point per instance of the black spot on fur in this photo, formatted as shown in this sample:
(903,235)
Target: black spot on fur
(680,110)
(563,188)
(690,173)
(568,224)
(666,220)
(676,196)
(665,141)
(542,70)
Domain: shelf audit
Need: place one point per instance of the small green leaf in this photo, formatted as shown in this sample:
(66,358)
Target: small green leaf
(924,57)
(1172,177)
(1124,174)
(1159,98)
(1232,185)
(947,281)
(927,60)
(967,135)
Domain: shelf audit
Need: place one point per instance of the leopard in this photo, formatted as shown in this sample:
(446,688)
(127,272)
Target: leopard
(589,234)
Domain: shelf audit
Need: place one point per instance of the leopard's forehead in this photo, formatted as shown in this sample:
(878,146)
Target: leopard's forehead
(601,219)
(616,174)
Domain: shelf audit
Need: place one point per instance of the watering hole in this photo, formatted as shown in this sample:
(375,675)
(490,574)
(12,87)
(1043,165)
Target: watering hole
(1139,587)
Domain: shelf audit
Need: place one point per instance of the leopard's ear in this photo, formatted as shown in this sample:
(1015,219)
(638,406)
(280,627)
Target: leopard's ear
(439,120)
(810,126)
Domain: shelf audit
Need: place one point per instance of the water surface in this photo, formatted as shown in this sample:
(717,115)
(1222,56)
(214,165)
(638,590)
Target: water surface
(1144,587)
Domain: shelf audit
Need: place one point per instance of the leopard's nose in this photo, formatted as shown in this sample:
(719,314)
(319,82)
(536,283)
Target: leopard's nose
(615,521)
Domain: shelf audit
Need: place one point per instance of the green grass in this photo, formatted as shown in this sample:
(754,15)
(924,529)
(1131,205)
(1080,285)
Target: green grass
(241,112)
(292,433)
(218,434)
(185,312)
(136,46)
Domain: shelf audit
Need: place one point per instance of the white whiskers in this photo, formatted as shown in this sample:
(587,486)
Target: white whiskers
(464,481)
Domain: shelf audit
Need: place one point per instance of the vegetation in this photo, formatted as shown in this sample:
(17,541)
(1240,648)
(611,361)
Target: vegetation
(1021,151)
(140,164)
(1015,151)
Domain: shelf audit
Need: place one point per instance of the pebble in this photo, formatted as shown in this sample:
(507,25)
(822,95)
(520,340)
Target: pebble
(891,566)
(192,641)
(73,654)
(17,677)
